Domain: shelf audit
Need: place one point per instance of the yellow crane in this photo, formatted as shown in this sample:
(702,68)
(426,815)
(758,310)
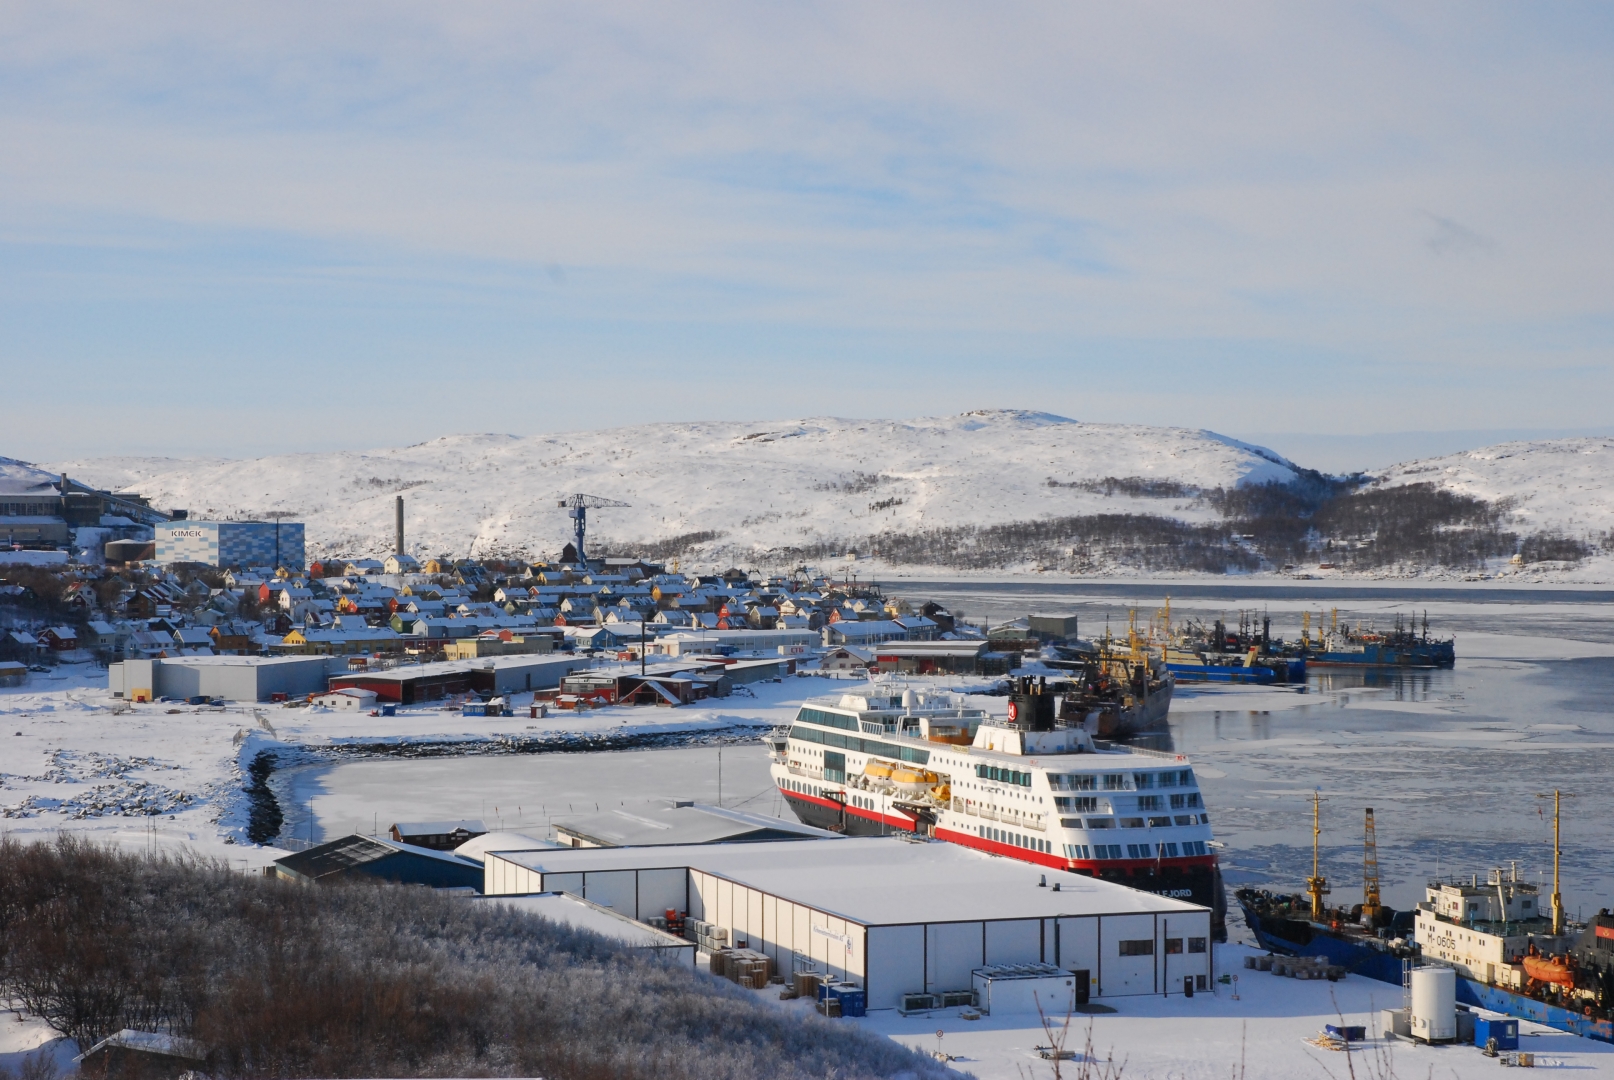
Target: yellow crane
(1370,873)
(1316,885)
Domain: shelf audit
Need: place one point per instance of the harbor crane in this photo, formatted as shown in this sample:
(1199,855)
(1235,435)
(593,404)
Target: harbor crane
(577,508)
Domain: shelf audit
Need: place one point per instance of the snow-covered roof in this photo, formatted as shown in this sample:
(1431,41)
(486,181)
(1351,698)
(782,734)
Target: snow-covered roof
(149,1042)
(439,828)
(478,846)
(580,914)
(876,880)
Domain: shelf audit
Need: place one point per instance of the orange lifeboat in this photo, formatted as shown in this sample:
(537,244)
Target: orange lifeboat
(1545,969)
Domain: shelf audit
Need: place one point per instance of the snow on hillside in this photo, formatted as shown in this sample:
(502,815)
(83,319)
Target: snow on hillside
(16,475)
(762,484)
(1559,486)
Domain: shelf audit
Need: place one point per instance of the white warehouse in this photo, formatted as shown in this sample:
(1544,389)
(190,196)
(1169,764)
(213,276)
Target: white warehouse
(895,915)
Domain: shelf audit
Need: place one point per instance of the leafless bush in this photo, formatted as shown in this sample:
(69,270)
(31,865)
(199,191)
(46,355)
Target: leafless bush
(283,980)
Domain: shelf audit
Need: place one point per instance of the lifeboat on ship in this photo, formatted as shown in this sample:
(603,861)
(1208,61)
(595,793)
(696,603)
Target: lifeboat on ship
(1549,969)
(913,781)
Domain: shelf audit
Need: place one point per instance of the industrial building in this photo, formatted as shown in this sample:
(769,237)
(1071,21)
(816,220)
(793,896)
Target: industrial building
(939,658)
(486,676)
(234,678)
(896,915)
(360,856)
(437,835)
(731,642)
(580,914)
(231,543)
(678,821)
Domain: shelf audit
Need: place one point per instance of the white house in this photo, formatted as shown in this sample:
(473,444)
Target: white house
(351,700)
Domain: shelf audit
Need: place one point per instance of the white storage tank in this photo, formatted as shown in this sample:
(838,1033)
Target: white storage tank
(1434,1004)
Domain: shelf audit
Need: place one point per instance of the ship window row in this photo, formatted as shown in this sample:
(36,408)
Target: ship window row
(1003,776)
(1177,802)
(862,746)
(1170,778)
(1014,839)
(1079,804)
(827,719)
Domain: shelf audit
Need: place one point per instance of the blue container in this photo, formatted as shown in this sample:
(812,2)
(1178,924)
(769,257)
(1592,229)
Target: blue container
(1505,1032)
(389,710)
(854,1000)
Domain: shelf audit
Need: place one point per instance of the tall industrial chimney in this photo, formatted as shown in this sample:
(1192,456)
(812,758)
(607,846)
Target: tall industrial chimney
(400,550)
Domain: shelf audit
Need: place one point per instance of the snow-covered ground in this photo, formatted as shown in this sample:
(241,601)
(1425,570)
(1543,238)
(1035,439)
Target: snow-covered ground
(172,776)
(1261,1035)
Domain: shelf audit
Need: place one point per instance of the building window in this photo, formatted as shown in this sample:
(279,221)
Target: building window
(1131,823)
(1115,781)
(1101,823)
(1144,947)
(1079,804)
(1140,851)
(1174,946)
(1151,802)
(1168,851)
(1194,847)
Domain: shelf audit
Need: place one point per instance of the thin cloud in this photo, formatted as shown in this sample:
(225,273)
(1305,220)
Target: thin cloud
(1454,239)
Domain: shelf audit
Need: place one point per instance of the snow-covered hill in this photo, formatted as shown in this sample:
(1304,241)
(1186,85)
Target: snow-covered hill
(1558,486)
(761,484)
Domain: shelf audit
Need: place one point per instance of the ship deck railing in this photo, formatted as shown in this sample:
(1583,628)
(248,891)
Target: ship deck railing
(1142,751)
(811,774)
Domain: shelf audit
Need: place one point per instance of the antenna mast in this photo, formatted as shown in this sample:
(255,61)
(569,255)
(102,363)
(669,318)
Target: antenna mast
(1316,885)
(1370,872)
(1557,852)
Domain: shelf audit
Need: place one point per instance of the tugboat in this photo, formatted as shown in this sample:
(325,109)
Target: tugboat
(1513,958)
(1035,786)
(1368,939)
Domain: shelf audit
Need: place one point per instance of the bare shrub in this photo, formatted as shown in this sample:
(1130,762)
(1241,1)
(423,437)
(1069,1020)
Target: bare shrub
(283,980)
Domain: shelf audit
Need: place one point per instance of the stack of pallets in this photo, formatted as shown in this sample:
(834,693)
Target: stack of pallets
(707,936)
(749,968)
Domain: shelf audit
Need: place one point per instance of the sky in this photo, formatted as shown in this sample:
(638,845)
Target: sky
(235,230)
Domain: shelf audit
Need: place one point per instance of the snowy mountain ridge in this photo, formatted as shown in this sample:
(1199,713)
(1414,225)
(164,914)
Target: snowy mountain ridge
(723,490)
(756,484)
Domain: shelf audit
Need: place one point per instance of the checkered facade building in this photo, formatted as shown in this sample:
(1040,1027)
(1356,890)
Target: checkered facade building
(231,543)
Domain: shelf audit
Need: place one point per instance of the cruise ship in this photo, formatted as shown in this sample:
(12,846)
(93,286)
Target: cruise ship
(1029,787)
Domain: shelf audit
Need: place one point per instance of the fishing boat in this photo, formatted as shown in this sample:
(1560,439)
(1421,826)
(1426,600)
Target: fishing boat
(1033,785)
(1403,646)
(1368,939)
